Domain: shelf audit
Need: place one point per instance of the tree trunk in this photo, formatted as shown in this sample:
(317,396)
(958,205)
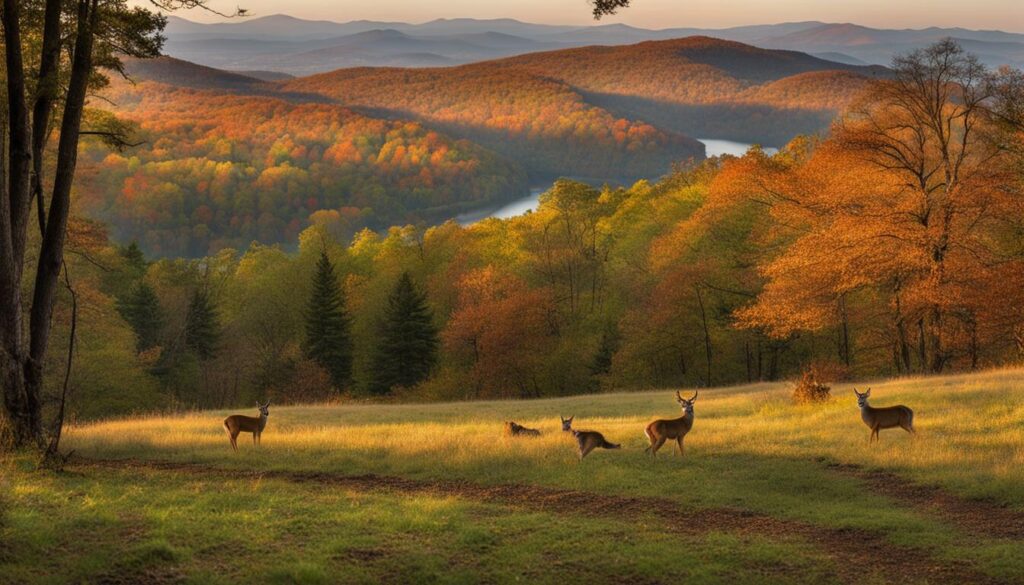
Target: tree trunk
(21,365)
(707,336)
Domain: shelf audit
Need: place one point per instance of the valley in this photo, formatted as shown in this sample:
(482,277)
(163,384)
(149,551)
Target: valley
(227,159)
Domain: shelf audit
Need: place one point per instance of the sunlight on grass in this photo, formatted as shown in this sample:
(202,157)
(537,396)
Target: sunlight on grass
(970,437)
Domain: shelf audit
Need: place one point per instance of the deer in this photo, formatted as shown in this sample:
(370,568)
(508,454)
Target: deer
(889,417)
(587,440)
(514,429)
(662,430)
(237,423)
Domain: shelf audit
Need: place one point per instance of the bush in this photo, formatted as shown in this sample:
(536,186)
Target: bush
(810,391)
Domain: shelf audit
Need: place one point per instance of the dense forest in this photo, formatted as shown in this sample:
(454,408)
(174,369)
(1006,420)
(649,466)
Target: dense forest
(891,246)
(220,170)
(222,159)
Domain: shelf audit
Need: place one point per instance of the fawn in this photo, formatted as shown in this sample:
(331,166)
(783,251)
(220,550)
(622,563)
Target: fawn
(889,417)
(237,423)
(587,440)
(662,430)
(514,429)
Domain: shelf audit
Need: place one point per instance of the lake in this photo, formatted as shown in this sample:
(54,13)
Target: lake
(712,147)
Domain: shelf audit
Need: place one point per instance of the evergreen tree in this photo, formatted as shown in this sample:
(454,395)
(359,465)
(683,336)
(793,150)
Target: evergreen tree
(202,326)
(135,260)
(408,346)
(605,351)
(328,338)
(141,309)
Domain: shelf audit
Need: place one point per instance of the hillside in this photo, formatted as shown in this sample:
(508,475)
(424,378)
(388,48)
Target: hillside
(696,86)
(222,169)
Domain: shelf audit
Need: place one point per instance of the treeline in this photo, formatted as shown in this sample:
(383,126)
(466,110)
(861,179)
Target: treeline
(891,247)
(219,170)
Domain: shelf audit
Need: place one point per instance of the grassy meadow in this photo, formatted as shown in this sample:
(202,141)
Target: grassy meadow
(768,492)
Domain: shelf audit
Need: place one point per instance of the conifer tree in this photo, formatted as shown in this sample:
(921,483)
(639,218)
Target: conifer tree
(408,341)
(328,337)
(141,309)
(202,326)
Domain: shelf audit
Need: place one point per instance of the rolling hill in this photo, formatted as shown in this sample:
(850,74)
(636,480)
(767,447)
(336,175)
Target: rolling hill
(696,86)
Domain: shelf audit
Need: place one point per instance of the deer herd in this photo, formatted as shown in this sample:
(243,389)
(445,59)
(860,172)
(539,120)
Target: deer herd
(657,432)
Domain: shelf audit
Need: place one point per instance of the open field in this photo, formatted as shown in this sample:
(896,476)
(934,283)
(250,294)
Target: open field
(768,492)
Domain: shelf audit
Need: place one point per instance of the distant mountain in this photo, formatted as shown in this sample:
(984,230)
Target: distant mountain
(185,74)
(288,44)
(879,46)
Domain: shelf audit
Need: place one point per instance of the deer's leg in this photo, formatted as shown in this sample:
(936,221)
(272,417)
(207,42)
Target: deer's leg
(680,442)
(234,442)
(584,451)
(657,445)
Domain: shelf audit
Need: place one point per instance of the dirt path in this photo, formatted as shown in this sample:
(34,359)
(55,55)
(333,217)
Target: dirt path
(982,518)
(851,550)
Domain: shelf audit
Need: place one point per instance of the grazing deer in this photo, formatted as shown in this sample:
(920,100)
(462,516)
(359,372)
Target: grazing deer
(587,440)
(237,423)
(889,417)
(514,429)
(662,430)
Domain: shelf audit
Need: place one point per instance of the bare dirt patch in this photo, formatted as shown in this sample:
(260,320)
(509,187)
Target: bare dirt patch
(983,518)
(851,550)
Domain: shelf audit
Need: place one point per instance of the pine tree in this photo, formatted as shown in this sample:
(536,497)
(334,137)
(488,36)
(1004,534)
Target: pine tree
(202,326)
(141,309)
(135,260)
(408,346)
(605,351)
(328,338)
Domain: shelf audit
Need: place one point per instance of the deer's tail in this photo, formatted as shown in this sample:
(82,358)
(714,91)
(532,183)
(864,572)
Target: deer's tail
(607,445)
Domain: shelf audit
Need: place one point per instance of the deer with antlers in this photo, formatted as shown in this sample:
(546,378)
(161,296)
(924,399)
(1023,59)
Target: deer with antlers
(662,430)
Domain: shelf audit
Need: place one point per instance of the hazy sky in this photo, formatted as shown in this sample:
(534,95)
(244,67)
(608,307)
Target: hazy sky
(981,14)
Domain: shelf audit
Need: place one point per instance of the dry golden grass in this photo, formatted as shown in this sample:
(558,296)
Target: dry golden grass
(970,436)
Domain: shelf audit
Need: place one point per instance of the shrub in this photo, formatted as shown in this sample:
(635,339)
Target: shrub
(810,391)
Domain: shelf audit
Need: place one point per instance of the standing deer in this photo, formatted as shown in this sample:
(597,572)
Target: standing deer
(237,423)
(889,417)
(662,430)
(587,440)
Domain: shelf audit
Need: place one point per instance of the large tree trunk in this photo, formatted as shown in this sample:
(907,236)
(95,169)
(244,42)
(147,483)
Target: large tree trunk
(21,402)
(21,357)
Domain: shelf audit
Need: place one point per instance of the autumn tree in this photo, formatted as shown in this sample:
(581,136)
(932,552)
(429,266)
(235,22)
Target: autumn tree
(407,350)
(501,331)
(909,202)
(328,325)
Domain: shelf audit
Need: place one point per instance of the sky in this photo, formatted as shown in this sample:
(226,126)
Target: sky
(1007,15)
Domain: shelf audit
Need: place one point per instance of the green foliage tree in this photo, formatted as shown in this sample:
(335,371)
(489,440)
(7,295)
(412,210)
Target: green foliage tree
(408,340)
(141,309)
(328,325)
(202,326)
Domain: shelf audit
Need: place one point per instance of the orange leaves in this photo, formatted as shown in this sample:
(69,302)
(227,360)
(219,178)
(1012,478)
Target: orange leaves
(500,330)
